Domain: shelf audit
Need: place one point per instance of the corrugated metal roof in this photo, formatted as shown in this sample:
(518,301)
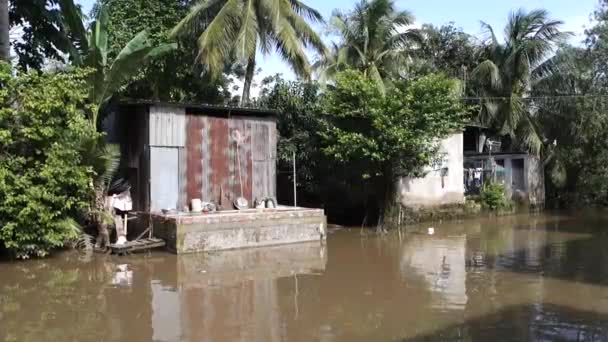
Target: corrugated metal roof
(212,109)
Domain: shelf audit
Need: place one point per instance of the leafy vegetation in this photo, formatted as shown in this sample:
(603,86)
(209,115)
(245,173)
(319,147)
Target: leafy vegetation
(298,125)
(386,94)
(492,197)
(45,183)
(50,30)
(230,29)
(509,71)
(372,40)
(170,76)
(446,49)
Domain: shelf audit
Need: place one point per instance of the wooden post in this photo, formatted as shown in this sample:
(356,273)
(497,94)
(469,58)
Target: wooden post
(295,190)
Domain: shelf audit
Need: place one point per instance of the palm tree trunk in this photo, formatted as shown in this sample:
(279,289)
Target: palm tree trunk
(5,41)
(249,73)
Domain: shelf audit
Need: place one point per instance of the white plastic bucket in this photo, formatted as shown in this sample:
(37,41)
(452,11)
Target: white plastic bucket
(197,205)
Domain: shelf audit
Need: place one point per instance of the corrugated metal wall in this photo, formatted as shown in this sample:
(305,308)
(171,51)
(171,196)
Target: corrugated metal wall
(167,140)
(206,155)
(167,126)
(212,171)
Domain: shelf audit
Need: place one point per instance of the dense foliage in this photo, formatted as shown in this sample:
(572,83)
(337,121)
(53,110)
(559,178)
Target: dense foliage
(49,30)
(575,120)
(172,76)
(354,139)
(228,30)
(492,197)
(386,95)
(371,40)
(299,122)
(44,181)
(446,49)
(395,134)
(509,71)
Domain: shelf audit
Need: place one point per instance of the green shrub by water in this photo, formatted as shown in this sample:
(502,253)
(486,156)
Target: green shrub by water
(45,181)
(492,197)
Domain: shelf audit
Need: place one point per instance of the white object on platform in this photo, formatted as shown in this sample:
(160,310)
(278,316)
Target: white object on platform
(431,231)
(121,240)
(123,201)
(260,204)
(197,205)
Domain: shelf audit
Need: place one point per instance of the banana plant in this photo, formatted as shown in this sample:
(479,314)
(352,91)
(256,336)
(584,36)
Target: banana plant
(89,49)
(109,76)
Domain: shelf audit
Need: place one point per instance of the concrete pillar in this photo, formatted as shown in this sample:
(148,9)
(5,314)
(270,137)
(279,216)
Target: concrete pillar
(509,177)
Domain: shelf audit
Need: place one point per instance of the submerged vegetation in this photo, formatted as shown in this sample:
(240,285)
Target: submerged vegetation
(383,95)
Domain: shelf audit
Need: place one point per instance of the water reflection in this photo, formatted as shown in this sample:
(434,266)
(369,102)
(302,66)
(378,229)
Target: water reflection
(514,278)
(441,261)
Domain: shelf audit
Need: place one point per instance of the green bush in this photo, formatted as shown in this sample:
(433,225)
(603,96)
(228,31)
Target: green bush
(44,182)
(492,197)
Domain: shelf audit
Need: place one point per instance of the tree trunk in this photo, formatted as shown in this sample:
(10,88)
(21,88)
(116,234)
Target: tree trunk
(5,27)
(249,73)
(388,200)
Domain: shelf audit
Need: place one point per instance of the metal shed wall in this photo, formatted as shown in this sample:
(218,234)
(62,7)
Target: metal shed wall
(207,157)
(212,169)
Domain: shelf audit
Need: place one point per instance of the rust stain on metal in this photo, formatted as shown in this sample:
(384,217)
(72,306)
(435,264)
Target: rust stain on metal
(244,151)
(212,168)
(194,167)
(217,169)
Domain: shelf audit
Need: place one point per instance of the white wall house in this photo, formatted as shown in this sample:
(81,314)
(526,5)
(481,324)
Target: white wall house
(443,184)
(521,173)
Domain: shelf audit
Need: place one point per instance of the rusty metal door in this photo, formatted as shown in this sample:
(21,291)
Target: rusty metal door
(164,178)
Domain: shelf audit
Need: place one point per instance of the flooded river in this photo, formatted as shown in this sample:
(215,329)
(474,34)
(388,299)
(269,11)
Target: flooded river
(538,278)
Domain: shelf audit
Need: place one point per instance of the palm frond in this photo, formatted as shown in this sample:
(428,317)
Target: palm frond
(217,41)
(246,40)
(409,38)
(73,19)
(306,11)
(488,73)
(110,157)
(529,135)
(488,34)
(402,19)
(374,74)
(307,35)
(199,16)
(290,49)
(69,225)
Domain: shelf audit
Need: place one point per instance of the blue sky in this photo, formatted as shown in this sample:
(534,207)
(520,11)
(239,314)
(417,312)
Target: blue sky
(464,13)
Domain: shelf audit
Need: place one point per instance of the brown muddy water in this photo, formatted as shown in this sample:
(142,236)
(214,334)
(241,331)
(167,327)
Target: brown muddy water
(521,278)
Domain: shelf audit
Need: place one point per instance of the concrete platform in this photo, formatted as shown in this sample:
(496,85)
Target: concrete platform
(191,233)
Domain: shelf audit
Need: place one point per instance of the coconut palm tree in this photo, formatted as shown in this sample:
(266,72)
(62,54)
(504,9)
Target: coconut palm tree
(228,29)
(374,37)
(510,70)
(5,48)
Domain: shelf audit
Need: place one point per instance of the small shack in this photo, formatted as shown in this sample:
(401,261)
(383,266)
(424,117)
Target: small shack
(173,153)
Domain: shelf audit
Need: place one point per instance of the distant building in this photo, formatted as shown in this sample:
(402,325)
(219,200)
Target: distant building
(469,159)
(443,183)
